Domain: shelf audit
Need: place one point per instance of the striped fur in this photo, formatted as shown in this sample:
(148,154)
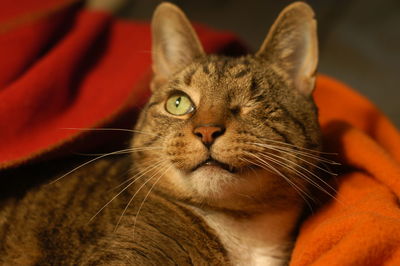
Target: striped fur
(50,225)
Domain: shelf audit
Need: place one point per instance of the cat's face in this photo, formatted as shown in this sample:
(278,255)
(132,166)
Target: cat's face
(226,128)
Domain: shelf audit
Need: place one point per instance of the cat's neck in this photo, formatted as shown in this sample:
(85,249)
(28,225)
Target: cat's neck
(259,239)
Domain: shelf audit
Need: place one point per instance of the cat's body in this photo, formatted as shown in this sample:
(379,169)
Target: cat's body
(224,154)
(51,225)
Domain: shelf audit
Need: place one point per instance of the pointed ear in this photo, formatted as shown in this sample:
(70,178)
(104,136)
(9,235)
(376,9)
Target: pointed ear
(292,44)
(175,43)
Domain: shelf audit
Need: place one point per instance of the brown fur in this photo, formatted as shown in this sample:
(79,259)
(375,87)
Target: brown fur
(50,225)
(263,98)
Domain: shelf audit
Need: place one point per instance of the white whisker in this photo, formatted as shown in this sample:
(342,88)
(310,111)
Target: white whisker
(299,147)
(305,169)
(302,153)
(262,163)
(282,175)
(110,129)
(120,192)
(125,151)
(86,163)
(137,191)
(296,171)
(301,159)
(147,169)
(142,203)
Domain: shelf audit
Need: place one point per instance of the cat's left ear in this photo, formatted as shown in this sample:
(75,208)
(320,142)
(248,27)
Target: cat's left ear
(175,43)
(292,44)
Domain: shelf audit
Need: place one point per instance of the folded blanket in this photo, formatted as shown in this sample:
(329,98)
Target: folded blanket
(362,226)
(62,67)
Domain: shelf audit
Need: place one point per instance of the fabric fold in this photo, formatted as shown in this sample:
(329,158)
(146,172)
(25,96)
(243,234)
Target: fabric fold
(97,72)
(361,226)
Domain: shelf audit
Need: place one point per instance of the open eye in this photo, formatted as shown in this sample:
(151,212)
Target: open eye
(179,104)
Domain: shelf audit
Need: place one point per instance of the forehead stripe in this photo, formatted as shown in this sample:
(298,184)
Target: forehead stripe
(206,69)
(242,73)
(188,77)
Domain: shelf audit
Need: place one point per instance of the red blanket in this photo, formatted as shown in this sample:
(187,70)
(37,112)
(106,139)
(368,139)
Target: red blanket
(71,69)
(65,68)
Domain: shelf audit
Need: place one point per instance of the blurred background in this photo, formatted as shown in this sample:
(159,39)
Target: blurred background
(359,39)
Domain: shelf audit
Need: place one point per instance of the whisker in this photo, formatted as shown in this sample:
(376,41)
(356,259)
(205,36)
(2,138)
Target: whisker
(253,163)
(281,174)
(310,180)
(299,191)
(88,162)
(299,147)
(147,169)
(262,163)
(125,151)
(305,169)
(147,195)
(119,193)
(309,155)
(301,159)
(110,129)
(137,191)
(303,153)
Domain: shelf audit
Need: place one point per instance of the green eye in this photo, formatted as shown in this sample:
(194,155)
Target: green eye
(179,104)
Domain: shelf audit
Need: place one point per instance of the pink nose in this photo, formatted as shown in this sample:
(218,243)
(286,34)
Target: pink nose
(208,134)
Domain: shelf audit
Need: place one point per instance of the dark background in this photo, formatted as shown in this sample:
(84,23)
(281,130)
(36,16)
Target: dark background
(359,39)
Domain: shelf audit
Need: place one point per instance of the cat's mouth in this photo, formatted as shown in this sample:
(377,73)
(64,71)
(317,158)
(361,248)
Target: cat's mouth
(210,162)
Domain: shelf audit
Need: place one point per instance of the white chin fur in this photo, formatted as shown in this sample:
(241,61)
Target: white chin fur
(211,181)
(217,183)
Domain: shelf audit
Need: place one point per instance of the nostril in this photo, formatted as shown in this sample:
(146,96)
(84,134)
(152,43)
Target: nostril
(218,133)
(198,134)
(208,133)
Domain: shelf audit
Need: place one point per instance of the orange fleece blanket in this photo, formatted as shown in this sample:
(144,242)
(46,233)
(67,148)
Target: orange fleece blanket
(363,226)
(61,67)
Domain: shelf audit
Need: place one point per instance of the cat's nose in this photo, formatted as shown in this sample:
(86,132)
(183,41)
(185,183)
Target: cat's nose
(208,133)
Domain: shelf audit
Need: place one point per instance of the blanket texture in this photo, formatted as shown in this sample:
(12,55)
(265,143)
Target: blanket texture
(63,67)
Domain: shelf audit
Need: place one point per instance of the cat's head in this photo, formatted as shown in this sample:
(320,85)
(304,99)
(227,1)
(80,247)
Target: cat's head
(231,132)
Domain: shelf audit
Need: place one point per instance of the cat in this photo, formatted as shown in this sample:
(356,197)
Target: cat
(222,162)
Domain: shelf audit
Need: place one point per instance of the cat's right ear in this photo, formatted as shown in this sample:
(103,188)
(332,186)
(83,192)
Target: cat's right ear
(175,43)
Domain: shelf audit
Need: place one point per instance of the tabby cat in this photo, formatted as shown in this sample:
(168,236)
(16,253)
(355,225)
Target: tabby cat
(223,160)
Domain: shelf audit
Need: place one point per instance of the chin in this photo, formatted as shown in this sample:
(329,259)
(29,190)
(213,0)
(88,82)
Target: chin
(250,189)
(213,182)
(222,187)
